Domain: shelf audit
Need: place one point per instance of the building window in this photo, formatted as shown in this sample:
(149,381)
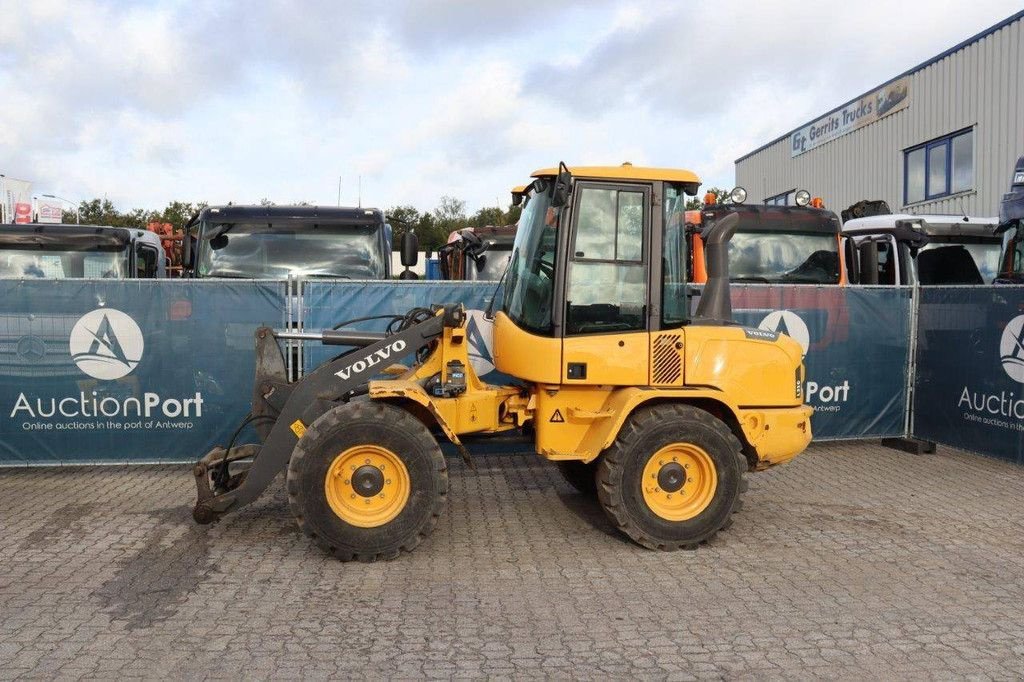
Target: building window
(784,199)
(939,168)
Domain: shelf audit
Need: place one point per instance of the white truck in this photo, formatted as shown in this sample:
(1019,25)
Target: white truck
(905,249)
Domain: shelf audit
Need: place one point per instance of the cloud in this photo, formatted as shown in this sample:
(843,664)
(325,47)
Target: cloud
(238,101)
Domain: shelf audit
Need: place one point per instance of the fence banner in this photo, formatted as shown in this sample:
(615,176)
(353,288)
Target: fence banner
(329,303)
(969,383)
(144,370)
(856,345)
(135,371)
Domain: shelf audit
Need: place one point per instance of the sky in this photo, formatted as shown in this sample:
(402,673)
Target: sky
(148,102)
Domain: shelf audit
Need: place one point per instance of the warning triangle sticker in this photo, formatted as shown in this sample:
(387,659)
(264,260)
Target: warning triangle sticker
(557,417)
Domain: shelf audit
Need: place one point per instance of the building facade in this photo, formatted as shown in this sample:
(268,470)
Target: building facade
(940,138)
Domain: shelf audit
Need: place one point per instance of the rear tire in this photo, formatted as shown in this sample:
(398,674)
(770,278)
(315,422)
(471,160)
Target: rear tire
(672,478)
(580,475)
(367,481)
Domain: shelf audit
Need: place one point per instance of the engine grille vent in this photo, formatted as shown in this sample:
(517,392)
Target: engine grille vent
(666,365)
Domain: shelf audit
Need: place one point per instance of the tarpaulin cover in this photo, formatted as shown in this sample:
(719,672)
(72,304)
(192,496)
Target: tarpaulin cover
(968,390)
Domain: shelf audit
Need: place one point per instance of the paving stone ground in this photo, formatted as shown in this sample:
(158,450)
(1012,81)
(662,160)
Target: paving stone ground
(853,561)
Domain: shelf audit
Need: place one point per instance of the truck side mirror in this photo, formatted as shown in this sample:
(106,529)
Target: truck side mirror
(868,273)
(410,249)
(850,257)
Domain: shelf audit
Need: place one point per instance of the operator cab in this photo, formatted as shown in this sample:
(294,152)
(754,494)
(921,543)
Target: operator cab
(591,275)
(273,242)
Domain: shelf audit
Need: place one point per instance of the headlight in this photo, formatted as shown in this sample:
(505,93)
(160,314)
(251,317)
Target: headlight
(738,195)
(803,197)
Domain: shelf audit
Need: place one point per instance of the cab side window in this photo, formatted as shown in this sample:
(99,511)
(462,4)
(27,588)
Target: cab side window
(607,287)
(145,261)
(886,263)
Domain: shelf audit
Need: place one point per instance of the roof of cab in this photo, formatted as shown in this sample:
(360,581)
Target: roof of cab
(626,171)
(310,213)
(930,224)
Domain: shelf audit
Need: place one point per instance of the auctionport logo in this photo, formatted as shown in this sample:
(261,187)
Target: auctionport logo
(106,344)
(1011,349)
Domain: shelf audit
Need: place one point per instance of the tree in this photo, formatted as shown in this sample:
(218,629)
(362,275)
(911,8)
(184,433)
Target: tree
(490,215)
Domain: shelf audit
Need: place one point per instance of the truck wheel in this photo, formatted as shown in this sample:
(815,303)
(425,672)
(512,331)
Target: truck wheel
(579,475)
(672,478)
(367,481)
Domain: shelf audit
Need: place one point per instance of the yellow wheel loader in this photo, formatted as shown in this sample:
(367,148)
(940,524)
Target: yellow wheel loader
(658,411)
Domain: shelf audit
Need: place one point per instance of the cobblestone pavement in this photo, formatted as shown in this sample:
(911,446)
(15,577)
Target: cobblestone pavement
(852,561)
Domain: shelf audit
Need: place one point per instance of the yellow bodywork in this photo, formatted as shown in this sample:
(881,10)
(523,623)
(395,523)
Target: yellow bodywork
(626,171)
(752,381)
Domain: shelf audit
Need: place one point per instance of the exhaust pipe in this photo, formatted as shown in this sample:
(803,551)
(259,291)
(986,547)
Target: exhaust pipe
(715,306)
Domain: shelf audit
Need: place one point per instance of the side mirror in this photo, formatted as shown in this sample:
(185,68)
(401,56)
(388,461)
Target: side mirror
(410,249)
(851,261)
(868,273)
(563,185)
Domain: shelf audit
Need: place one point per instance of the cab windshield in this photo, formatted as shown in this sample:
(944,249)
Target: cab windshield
(495,261)
(954,261)
(63,264)
(784,257)
(259,251)
(529,293)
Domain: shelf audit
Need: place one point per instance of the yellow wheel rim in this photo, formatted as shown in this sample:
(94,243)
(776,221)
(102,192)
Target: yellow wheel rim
(367,486)
(679,481)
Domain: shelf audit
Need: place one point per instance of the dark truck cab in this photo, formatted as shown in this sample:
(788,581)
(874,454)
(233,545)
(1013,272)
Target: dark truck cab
(52,251)
(274,242)
(1011,226)
(779,244)
(477,253)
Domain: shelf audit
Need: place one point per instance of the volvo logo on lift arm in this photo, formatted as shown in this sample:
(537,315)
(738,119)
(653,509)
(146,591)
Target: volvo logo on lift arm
(363,364)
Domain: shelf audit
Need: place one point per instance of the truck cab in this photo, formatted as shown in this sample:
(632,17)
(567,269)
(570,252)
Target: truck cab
(274,242)
(52,251)
(477,253)
(1011,227)
(773,244)
(904,249)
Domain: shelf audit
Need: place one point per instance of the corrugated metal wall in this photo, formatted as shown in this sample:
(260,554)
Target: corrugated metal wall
(979,86)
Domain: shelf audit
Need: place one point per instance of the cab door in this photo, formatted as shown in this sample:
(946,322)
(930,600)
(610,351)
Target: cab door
(606,297)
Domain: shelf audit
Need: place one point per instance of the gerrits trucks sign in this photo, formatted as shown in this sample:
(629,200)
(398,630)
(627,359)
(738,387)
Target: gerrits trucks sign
(15,201)
(886,100)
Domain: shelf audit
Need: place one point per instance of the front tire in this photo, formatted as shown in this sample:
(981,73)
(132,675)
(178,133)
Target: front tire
(367,481)
(673,477)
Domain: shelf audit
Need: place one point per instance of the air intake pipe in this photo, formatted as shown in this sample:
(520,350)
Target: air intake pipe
(715,307)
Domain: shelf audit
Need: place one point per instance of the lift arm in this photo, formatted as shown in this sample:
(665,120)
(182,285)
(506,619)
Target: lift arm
(289,408)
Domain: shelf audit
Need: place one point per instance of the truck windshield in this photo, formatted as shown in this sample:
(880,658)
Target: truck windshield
(951,261)
(529,292)
(496,261)
(58,264)
(789,257)
(259,251)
